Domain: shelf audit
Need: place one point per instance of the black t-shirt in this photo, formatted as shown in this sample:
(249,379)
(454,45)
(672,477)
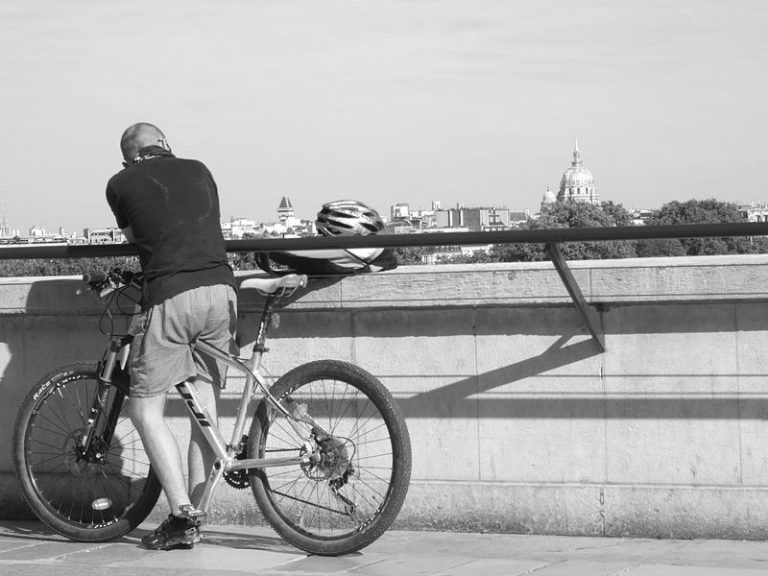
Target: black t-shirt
(172,206)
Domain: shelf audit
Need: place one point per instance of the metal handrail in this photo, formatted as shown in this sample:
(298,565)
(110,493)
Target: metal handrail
(539,236)
(551,237)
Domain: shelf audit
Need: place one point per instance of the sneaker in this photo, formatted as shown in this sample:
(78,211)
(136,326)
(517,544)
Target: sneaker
(174,532)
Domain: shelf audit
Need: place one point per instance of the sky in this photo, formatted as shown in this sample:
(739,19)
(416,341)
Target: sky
(386,101)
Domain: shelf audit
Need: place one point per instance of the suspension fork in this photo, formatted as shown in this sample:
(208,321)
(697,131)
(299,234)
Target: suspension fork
(110,377)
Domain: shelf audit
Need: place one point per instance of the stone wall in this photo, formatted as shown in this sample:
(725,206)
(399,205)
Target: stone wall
(518,421)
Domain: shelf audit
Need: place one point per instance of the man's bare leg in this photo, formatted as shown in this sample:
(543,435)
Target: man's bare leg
(147,414)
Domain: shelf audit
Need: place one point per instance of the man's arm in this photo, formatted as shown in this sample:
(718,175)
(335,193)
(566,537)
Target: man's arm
(128,233)
(114,204)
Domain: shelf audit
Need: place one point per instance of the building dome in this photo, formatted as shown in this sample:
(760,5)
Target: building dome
(577,182)
(549,197)
(577,176)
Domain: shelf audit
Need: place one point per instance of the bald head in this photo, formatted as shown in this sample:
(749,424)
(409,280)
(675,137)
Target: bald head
(139,136)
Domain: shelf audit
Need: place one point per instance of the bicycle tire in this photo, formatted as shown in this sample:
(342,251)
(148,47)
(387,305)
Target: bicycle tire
(87,502)
(360,413)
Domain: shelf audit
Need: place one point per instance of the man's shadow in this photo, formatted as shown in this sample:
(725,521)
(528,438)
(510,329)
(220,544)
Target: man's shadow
(53,322)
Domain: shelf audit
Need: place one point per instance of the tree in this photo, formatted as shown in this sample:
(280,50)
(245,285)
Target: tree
(617,213)
(242,260)
(410,255)
(571,214)
(659,247)
(65,266)
(709,211)
(477,257)
(517,252)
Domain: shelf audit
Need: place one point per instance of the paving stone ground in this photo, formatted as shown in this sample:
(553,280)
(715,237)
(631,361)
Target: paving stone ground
(29,549)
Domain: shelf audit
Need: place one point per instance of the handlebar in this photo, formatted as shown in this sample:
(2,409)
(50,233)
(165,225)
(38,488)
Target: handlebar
(94,277)
(109,281)
(112,286)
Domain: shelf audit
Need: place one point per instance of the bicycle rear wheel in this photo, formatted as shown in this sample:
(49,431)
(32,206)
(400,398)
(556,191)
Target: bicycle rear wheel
(92,497)
(348,498)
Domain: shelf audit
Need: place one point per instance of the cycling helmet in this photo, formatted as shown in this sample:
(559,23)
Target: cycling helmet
(348,218)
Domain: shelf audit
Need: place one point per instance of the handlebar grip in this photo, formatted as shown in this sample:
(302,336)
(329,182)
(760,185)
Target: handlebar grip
(94,276)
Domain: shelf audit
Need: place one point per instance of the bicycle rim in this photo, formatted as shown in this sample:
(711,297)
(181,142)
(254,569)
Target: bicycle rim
(91,499)
(368,463)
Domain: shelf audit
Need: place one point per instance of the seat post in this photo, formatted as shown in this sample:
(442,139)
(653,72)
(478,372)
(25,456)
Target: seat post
(264,323)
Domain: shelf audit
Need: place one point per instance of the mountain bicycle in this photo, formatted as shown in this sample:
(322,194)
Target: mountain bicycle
(327,455)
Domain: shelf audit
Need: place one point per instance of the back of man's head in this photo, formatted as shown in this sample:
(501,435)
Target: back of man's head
(140,136)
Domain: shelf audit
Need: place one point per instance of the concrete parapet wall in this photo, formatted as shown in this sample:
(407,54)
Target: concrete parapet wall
(518,421)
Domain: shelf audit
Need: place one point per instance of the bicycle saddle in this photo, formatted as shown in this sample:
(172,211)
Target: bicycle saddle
(272,285)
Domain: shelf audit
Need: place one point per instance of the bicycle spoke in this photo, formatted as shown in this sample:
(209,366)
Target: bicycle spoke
(351,484)
(342,410)
(371,489)
(61,431)
(61,424)
(56,449)
(51,459)
(92,490)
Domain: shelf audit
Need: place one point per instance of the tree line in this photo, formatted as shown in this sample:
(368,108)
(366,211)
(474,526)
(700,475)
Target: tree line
(570,214)
(567,214)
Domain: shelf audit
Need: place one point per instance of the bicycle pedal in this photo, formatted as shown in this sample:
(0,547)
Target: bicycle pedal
(189,511)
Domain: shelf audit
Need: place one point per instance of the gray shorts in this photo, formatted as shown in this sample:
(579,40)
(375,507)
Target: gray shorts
(161,355)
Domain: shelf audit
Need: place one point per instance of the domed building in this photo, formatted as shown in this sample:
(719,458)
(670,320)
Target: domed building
(549,198)
(577,183)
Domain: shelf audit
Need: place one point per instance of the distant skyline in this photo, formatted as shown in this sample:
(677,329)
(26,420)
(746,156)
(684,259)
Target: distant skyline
(386,102)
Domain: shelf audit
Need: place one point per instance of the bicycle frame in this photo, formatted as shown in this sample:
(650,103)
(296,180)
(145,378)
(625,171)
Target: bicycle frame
(226,453)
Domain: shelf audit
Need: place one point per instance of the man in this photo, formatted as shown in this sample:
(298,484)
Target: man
(169,208)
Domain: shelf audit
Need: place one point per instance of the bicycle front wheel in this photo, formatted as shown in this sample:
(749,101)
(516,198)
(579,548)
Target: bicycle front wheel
(347,496)
(94,494)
